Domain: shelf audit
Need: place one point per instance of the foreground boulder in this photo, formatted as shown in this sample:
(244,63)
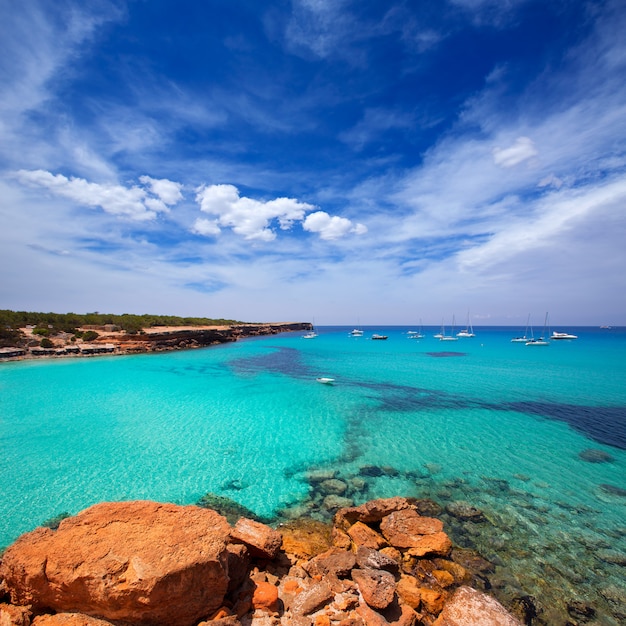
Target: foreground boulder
(469,607)
(138,562)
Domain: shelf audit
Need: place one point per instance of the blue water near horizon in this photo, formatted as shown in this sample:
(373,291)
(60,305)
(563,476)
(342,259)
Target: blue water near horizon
(494,423)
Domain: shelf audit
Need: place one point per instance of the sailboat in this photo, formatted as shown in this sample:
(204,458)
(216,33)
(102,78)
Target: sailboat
(541,341)
(523,338)
(469,330)
(416,334)
(357,332)
(445,337)
(312,333)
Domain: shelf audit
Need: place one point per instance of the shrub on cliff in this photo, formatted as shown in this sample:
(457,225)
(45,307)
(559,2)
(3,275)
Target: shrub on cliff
(9,337)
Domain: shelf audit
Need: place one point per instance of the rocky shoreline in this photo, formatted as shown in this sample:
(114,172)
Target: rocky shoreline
(157,339)
(144,563)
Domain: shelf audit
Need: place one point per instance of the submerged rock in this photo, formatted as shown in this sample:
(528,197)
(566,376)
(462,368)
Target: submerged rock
(595,456)
(581,610)
(230,509)
(465,511)
(613,490)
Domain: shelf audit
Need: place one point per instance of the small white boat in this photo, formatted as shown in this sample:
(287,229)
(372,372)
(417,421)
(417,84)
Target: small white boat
(312,333)
(556,335)
(444,337)
(325,380)
(416,334)
(541,341)
(469,329)
(356,333)
(523,338)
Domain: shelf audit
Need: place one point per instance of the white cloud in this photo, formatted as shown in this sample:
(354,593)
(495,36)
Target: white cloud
(208,228)
(167,191)
(252,218)
(331,227)
(133,202)
(522,150)
(247,217)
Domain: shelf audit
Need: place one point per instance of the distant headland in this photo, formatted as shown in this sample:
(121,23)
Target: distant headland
(35,335)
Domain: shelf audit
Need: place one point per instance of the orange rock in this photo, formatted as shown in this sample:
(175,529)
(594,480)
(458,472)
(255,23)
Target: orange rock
(305,538)
(432,601)
(11,615)
(340,539)
(265,597)
(445,579)
(68,619)
(322,620)
(139,562)
(219,614)
(363,535)
(409,591)
(459,573)
(438,543)
(402,529)
(261,540)
(372,511)
(292,586)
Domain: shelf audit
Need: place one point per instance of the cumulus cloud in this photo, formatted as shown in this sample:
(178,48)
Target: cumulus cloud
(167,190)
(331,227)
(252,219)
(522,150)
(133,202)
(245,216)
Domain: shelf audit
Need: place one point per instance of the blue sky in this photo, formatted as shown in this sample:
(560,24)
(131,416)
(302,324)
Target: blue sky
(376,162)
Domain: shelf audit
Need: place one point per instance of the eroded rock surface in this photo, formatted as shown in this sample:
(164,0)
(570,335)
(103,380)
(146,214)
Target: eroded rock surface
(140,562)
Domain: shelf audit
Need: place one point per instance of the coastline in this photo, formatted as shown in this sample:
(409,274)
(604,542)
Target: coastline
(155,339)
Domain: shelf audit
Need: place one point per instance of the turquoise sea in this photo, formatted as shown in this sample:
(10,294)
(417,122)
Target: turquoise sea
(534,437)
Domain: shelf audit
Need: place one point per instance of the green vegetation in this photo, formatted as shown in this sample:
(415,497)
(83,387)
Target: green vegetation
(8,337)
(69,322)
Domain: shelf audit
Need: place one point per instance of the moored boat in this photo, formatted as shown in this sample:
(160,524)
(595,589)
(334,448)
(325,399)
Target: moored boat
(325,380)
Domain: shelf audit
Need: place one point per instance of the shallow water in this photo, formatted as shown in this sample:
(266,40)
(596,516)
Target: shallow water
(482,420)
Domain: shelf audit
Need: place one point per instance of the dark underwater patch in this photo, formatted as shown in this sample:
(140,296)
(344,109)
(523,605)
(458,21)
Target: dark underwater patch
(281,360)
(446,354)
(603,424)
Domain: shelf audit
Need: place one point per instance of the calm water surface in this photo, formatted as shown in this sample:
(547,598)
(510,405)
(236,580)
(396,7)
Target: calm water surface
(533,436)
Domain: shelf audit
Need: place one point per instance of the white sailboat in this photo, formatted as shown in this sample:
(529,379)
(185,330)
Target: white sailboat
(469,330)
(523,338)
(356,332)
(416,334)
(451,337)
(312,333)
(541,341)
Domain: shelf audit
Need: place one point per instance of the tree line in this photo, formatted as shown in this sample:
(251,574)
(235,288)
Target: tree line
(12,321)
